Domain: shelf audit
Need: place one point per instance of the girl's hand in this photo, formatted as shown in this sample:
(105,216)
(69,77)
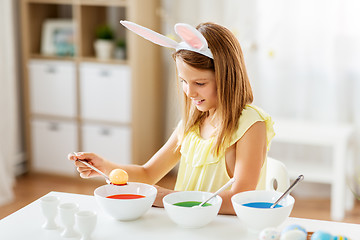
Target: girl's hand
(161,193)
(91,158)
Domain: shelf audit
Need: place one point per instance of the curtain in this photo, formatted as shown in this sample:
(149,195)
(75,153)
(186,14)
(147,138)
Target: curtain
(8,101)
(302,56)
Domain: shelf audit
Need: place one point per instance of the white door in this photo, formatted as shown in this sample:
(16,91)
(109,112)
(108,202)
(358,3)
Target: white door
(105,92)
(52,88)
(110,142)
(51,143)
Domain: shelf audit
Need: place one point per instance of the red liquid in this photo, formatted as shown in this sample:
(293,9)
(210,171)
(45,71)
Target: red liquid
(118,184)
(126,196)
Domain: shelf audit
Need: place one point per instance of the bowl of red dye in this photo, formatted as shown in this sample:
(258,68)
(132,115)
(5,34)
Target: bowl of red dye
(179,207)
(127,202)
(253,209)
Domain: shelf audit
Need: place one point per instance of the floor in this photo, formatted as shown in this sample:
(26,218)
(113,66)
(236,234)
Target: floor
(30,187)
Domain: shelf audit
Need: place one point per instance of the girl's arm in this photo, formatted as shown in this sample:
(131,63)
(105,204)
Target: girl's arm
(250,155)
(151,172)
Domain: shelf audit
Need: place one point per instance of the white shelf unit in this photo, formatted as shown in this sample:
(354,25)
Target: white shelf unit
(80,103)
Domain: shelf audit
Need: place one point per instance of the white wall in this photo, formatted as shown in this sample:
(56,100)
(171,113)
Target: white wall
(10,143)
(302,56)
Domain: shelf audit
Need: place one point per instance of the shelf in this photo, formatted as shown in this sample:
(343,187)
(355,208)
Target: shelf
(51,1)
(49,57)
(80,59)
(52,117)
(116,3)
(91,17)
(37,14)
(109,123)
(112,3)
(110,61)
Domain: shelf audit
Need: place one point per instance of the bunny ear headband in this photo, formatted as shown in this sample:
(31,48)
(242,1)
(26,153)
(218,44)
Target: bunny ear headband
(193,40)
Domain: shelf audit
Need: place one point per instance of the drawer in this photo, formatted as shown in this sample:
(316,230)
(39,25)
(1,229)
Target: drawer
(51,142)
(112,143)
(105,92)
(52,88)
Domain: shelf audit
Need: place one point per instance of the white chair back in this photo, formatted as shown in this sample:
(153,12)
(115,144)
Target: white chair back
(277,176)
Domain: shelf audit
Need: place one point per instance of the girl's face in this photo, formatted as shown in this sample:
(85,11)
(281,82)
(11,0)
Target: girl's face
(199,85)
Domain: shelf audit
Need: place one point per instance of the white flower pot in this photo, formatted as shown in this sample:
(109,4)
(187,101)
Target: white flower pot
(104,49)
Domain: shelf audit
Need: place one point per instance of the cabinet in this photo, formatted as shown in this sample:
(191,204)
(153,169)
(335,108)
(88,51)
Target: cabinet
(81,103)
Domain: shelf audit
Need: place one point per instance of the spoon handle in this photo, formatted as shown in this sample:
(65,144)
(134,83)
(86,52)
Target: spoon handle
(93,168)
(226,185)
(299,178)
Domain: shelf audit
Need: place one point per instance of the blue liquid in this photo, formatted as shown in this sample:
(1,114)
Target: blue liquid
(261,205)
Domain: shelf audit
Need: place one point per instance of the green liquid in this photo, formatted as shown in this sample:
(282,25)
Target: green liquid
(190,204)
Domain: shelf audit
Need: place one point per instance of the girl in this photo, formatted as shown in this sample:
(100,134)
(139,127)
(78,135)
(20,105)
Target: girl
(221,134)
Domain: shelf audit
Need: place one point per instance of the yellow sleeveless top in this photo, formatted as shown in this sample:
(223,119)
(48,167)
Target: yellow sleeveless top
(199,170)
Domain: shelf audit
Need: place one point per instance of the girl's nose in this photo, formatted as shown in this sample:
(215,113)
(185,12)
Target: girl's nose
(190,91)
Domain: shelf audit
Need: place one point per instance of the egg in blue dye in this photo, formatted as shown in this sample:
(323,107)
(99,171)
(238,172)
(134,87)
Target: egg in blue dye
(321,235)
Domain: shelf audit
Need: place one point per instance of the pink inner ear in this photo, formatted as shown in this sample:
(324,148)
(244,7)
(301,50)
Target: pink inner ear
(154,38)
(190,38)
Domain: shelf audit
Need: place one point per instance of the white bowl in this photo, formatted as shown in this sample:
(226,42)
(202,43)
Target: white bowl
(189,217)
(256,219)
(125,209)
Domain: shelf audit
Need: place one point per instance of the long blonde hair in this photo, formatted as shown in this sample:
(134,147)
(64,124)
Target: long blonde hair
(232,82)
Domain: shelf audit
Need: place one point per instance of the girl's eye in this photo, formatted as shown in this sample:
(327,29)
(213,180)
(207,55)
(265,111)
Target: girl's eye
(200,84)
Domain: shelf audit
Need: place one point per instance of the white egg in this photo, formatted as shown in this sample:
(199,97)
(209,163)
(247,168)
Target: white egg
(269,234)
(293,235)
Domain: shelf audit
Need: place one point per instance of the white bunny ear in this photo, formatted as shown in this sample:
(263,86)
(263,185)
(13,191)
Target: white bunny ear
(150,35)
(193,38)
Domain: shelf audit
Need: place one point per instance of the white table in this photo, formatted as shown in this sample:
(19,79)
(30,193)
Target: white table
(339,139)
(155,224)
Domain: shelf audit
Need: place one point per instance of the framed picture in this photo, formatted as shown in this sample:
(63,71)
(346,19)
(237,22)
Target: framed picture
(58,37)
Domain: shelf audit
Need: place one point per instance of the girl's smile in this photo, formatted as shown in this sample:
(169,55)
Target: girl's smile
(198,102)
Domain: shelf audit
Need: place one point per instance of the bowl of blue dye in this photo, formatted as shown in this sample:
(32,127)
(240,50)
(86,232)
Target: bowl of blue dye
(179,208)
(253,209)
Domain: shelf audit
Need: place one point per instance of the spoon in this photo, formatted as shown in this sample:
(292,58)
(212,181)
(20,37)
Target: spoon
(226,185)
(94,168)
(299,179)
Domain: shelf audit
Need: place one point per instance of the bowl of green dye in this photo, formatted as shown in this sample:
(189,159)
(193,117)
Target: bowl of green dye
(253,209)
(179,208)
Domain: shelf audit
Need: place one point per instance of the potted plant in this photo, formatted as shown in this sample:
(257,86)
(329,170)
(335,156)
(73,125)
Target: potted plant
(104,43)
(120,49)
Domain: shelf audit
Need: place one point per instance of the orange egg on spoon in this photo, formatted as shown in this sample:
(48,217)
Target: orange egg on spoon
(118,177)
